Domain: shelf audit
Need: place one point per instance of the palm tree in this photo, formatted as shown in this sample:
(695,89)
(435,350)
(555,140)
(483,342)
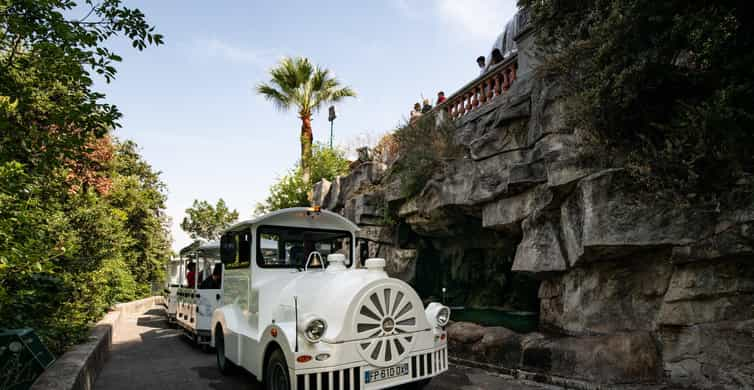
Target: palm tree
(296,82)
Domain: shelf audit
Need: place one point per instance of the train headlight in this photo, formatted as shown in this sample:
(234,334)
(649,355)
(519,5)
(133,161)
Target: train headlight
(443,316)
(314,330)
(438,314)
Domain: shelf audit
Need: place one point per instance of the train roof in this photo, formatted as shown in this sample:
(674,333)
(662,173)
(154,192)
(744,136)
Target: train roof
(306,217)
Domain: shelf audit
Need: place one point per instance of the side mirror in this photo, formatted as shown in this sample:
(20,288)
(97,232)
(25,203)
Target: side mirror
(228,248)
(244,247)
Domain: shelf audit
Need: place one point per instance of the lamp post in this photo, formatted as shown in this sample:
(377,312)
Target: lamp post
(331,117)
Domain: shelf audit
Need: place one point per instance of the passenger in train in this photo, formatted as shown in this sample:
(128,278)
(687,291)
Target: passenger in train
(213,281)
(191,275)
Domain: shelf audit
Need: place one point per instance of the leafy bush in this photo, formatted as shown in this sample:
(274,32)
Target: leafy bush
(82,222)
(668,83)
(292,191)
(65,257)
(422,148)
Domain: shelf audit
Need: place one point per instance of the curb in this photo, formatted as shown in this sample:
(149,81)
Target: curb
(78,368)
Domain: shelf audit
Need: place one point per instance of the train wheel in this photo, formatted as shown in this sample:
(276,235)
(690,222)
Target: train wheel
(276,377)
(226,366)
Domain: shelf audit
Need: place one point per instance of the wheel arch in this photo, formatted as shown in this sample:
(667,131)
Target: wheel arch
(270,343)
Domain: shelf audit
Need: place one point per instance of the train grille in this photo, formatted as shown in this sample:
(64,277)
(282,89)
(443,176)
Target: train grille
(347,379)
(428,364)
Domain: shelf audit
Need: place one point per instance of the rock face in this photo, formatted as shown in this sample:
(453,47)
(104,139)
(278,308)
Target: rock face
(629,288)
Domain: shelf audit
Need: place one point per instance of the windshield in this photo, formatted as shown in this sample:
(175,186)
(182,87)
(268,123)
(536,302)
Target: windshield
(289,247)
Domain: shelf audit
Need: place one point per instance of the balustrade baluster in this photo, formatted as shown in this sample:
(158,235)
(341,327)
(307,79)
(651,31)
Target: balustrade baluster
(497,84)
(489,86)
(506,80)
(468,103)
(482,93)
(513,72)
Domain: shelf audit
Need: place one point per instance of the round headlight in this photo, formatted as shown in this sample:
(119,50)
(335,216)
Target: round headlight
(443,316)
(314,330)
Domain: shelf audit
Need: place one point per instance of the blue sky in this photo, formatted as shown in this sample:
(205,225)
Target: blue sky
(191,107)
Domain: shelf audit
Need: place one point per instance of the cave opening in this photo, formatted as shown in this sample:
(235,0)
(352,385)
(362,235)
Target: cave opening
(468,267)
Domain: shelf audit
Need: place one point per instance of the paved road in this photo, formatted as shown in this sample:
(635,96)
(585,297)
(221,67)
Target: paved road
(148,355)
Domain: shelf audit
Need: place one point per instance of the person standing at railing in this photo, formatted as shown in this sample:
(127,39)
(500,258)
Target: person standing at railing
(426,107)
(415,113)
(440,98)
(481,61)
(497,57)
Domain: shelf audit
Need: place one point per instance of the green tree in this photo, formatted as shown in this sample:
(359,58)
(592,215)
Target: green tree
(667,83)
(66,245)
(292,190)
(50,111)
(139,193)
(205,221)
(297,83)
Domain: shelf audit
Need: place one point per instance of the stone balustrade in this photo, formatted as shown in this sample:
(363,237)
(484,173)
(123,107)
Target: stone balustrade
(482,90)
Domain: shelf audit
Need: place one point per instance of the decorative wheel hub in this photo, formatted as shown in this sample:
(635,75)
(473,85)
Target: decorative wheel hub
(388,325)
(385,322)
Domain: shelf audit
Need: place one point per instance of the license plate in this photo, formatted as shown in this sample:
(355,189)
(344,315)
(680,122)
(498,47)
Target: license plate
(380,374)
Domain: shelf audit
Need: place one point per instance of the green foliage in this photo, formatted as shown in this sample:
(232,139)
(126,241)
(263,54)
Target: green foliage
(50,111)
(292,191)
(140,194)
(66,257)
(423,147)
(82,222)
(207,222)
(669,83)
(296,82)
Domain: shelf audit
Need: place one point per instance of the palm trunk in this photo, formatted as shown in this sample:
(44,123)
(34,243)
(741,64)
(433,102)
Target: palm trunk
(306,151)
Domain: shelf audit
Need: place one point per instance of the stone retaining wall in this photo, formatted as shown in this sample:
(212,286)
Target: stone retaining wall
(78,368)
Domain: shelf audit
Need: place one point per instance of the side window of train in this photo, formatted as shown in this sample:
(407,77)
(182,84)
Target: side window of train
(235,249)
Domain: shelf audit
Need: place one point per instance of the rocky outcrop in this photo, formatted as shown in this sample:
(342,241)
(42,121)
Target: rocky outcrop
(630,288)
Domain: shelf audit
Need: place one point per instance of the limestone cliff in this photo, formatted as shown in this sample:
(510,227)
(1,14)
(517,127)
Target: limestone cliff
(628,288)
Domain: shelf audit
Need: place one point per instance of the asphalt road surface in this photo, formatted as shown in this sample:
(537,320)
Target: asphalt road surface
(148,355)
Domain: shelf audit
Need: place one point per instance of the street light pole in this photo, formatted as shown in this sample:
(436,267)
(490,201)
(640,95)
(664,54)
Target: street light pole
(331,117)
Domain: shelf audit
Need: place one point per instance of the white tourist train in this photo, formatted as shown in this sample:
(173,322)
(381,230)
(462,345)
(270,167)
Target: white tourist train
(202,291)
(298,313)
(174,280)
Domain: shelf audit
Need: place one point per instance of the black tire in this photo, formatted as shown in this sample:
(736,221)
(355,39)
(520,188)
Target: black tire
(276,375)
(226,366)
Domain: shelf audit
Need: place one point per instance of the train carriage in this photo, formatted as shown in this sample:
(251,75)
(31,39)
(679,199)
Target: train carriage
(202,292)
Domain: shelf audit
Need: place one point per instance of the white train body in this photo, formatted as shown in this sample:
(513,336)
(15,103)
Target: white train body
(196,304)
(377,332)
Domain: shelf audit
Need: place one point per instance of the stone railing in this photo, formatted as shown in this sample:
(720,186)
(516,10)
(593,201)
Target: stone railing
(495,82)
